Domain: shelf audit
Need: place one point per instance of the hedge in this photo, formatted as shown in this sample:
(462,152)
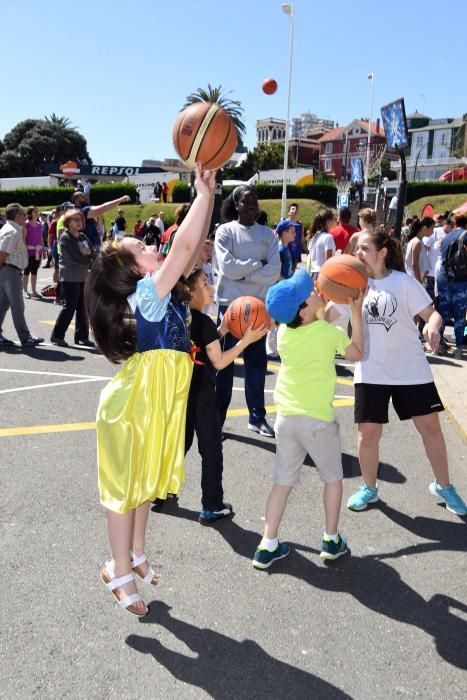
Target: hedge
(321,192)
(51,196)
(417,190)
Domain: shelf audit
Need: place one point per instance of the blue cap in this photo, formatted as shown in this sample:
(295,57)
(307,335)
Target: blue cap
(284,298)
(283,226)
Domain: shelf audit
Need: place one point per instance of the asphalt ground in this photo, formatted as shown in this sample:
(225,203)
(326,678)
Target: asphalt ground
(388,620)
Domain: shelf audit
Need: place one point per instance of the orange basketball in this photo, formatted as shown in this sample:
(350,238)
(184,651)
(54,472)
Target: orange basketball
(269,86)
(244,312)
(204,132)
(341,277)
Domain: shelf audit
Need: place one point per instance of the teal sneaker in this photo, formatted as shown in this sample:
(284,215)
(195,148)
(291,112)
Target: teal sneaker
(333,550)
(364,496)
(264,558)
(449,495)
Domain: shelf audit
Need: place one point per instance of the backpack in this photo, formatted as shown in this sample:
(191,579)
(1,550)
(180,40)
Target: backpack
(456,258)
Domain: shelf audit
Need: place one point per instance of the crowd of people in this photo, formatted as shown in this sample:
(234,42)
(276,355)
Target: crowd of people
(148,299)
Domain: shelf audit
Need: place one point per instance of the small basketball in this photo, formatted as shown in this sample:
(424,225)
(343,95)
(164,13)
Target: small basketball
(269,86)
(204,132)
(341,277)
(244,312)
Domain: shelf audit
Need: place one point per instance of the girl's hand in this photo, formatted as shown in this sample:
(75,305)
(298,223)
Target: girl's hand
(252,335)
(432,336)
(356,304)
(205,181)
(223,329)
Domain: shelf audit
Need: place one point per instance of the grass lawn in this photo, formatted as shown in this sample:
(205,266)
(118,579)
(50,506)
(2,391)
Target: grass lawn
(441,203)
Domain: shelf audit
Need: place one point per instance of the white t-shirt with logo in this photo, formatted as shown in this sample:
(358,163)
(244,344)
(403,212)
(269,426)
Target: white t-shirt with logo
(393,353)
(433,245)
(318,247)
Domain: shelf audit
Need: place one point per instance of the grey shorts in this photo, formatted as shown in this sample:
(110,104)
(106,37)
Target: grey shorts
(298,435)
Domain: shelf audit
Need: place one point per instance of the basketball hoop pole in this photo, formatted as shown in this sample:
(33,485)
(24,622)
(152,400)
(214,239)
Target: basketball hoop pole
(401,196)
(289,10)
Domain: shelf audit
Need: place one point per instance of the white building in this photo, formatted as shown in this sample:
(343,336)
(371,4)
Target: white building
(270,130)
(306,122)
(432,142)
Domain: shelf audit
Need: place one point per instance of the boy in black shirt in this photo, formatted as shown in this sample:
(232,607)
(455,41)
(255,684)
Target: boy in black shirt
(202,416)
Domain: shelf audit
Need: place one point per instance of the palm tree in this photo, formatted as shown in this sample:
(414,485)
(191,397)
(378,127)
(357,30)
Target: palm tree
(63,122)
(214,94)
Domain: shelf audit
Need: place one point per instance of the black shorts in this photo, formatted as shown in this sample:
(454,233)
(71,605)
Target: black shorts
(409,400)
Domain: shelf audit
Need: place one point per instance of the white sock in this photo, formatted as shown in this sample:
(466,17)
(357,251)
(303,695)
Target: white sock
(270,545)
(327,536)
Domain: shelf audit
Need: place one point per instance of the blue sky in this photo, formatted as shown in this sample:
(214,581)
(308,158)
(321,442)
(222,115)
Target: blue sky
(120,70)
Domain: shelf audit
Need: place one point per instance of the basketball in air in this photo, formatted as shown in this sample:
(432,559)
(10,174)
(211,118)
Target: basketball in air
(341,277)
(269,86)
(204,132)
(244,312)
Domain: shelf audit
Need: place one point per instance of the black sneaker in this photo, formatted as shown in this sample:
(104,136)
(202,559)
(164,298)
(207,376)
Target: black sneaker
(333,550)
(262,428)
(61,342)
(208,517)
(85,341)
(31,341)
(4,342)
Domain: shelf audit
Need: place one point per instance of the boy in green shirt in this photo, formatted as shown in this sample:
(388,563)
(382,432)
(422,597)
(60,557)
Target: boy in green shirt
(305,420)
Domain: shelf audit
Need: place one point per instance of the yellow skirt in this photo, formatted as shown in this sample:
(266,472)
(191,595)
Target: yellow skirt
(141,429)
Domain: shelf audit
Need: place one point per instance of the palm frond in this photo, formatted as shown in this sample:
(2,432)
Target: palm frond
(215,95)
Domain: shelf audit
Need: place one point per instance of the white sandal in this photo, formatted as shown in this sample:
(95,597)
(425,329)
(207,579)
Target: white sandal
(151,576)
(111,583)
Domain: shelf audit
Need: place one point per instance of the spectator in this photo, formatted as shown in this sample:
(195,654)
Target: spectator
(152,233)
(160,222)
(165,191)
(405,234)
(138,230)
(35,247)
(91,214)
(344,230)
(87,187)
(248,263)
(158,191)
(366,222)
(13,260)
(416,256)
(120,225)
(45,222)
(452,284)
(321,244)
(296,245)
(75,258)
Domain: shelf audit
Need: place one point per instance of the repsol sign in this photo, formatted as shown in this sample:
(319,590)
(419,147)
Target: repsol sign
(112,170)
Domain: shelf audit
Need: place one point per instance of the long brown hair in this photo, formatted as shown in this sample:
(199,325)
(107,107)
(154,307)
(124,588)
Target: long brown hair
(112,279)
(394,259)
(319,222)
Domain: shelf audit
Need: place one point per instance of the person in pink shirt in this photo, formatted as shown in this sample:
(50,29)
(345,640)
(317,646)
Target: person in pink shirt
(35,246)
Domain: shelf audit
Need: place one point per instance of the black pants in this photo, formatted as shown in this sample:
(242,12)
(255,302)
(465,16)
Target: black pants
(73,293)
(255,359)
(202,418)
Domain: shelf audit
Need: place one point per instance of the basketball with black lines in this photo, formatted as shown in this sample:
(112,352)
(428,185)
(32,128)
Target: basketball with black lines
(244,312)
(204,132)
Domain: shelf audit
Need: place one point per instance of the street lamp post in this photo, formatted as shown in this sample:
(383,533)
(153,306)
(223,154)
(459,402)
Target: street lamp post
(367,167)
(289,10)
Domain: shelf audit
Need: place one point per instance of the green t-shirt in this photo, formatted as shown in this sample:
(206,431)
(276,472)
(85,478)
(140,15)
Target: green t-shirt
(307,376)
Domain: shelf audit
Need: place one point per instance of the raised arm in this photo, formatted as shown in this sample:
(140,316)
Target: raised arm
(94,212)
(188,236)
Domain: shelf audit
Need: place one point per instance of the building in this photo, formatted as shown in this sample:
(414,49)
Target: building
(342,143)
(270,130)
(432,142)
(306,122)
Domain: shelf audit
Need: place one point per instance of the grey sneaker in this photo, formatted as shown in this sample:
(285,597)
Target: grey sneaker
(262,428)
(459,354)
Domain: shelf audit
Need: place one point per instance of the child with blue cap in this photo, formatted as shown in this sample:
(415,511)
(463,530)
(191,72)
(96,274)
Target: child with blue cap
(303,396)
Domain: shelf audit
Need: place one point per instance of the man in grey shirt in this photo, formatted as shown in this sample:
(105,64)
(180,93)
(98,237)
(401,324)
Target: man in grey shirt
(248,263)
(13,260)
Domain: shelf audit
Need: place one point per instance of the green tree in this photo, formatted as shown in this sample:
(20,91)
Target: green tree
(214,94)
(33,142)
(268,156)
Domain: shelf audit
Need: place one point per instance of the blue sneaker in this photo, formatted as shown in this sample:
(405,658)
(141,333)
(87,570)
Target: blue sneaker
(364,496)
(264,558)
(208,517)
(333,550)
(449,495)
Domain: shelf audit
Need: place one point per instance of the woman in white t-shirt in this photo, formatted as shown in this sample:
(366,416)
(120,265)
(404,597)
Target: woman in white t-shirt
(321,245)
(394,367)
(416,255)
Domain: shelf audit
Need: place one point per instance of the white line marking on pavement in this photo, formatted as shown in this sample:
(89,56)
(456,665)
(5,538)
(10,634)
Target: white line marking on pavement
(47,386)
(56,374)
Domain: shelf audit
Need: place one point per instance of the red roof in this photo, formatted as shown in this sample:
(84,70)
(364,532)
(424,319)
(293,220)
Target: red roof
(337,133)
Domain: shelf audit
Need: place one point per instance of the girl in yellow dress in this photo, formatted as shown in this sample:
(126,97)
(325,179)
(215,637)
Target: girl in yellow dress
(138,313)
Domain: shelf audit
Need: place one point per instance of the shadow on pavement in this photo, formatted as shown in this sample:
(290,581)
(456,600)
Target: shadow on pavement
(350,464)
(42,353)
(225,668)
(372,582)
